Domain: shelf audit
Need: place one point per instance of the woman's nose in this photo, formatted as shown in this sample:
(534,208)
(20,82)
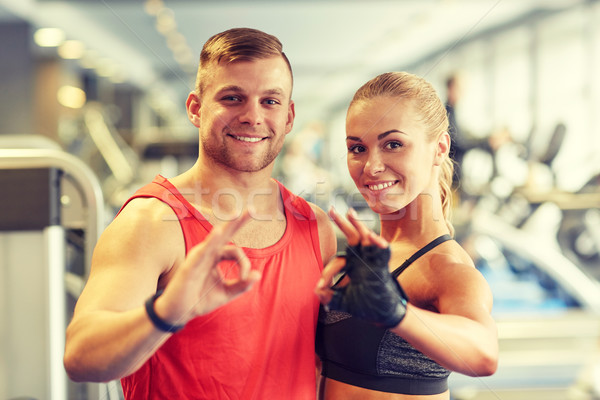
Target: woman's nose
(374,164)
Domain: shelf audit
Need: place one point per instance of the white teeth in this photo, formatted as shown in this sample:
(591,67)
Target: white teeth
(248,139)
(381,186)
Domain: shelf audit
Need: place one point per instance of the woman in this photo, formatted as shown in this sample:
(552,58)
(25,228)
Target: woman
(409,336)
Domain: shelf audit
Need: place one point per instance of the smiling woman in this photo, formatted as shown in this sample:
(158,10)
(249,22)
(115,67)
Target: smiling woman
(394,124)
(384,341)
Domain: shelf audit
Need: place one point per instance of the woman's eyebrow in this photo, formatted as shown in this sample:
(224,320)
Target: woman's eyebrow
(379,137)
(384,134)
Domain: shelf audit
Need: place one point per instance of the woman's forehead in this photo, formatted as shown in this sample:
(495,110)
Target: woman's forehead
(381,114)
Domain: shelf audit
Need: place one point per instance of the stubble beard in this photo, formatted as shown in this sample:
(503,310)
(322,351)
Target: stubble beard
(222,155)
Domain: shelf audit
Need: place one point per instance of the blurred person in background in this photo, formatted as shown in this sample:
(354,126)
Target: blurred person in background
(463,140)
(202,286)
(411,307)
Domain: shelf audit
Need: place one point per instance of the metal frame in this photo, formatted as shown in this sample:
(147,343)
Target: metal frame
(59,280)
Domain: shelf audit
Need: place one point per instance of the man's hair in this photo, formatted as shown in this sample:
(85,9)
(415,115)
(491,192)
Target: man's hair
(237,44)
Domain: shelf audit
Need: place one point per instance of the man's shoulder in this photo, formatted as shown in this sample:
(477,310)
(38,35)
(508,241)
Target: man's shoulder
(145,211)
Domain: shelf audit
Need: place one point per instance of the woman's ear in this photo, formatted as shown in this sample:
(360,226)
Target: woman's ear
(442,149)
(192,106)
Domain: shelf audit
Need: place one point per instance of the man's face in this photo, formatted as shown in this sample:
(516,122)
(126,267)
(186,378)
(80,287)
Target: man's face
(244,113)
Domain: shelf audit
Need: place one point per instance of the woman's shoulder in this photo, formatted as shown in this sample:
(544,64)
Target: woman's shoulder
(453,273)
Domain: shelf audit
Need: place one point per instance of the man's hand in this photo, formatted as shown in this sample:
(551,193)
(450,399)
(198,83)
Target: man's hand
(198,287)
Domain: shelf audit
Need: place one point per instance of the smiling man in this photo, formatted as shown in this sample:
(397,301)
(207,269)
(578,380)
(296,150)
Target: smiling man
(202,286)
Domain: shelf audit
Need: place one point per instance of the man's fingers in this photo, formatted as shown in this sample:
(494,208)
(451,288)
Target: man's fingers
(246,276)
(231,252)
(218,237)
(239,286)
(222,233)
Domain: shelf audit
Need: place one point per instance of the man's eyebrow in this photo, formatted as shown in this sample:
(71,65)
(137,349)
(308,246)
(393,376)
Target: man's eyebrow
(379,137)
(239,89)
(231,88)
(274,92)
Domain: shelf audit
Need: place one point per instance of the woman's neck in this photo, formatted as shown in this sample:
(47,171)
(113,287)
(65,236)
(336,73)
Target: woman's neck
(420,221)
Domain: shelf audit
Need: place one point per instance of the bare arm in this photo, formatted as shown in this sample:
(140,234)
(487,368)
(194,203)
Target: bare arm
(462,336)
(327,236)
(110,335)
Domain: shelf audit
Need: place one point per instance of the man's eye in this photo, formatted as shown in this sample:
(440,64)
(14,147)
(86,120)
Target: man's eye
(231,98)
(271,102)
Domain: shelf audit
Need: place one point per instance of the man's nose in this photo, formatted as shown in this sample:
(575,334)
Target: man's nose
(252,113)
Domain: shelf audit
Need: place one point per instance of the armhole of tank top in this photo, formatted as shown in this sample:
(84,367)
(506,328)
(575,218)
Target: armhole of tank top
(148,195)
(306,210)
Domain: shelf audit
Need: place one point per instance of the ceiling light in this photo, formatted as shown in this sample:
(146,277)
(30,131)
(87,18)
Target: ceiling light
(152,7)
(49,37)
(71,50)
(165,21)
(106,68)
(71,97)
(89,59)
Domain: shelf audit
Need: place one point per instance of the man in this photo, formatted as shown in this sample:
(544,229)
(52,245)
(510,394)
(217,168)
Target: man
(243,293)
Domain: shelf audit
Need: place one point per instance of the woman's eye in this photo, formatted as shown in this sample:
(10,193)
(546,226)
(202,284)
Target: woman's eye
(356,148)
(393,145)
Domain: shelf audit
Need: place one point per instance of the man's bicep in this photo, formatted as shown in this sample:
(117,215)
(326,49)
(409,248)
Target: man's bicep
(327,238)
(127,262)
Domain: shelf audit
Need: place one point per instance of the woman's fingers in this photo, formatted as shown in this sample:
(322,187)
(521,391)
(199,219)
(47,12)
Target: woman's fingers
(363,231)
(368,237)
(330,271)
(352,235)
(356,231)
(323,288)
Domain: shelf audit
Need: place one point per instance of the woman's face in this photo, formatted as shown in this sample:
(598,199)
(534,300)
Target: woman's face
(390,158)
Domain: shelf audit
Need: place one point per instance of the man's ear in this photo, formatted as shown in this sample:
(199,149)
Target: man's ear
(192,106)
(291,115)
(442,149)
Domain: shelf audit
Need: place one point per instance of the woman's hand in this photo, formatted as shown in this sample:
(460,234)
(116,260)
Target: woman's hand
(356,233)
(372,293)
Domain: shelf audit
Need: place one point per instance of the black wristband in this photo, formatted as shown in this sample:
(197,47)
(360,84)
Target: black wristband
(157,321)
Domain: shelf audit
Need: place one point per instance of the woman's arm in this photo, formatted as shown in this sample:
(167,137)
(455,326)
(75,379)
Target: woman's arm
(462,336)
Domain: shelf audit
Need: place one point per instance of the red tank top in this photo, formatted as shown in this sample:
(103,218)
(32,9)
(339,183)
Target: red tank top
(260,345)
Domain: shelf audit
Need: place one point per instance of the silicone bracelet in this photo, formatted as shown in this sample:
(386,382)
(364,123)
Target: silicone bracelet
(157,321)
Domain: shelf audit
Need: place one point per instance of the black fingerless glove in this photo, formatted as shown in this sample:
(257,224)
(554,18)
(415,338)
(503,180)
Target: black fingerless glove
(373,294)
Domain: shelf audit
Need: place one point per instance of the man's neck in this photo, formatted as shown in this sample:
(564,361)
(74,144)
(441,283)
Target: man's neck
(221,191)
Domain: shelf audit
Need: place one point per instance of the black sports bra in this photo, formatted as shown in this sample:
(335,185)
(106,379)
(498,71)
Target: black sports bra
(359,353)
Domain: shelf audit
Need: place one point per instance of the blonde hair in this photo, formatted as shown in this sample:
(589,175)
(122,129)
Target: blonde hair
(237,44)
(433,113)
